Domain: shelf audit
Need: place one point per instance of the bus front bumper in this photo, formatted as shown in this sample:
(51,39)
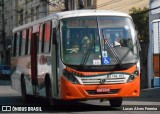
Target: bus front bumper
(71,91)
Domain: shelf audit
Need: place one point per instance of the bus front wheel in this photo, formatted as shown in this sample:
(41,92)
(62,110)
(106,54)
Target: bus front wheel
(115,102)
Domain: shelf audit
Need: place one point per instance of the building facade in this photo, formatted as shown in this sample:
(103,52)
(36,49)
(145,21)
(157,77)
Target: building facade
(116,5)
(16,13)
(5,24)
(154,45)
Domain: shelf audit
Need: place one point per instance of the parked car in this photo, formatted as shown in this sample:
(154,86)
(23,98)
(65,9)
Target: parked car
(5,71)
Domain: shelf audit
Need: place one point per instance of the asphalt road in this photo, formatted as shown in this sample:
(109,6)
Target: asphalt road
(148,98)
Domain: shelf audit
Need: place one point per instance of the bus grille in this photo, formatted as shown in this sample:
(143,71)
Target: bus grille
(100,80)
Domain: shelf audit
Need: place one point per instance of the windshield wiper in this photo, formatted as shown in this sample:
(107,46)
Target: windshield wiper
(112,50)
(87,54)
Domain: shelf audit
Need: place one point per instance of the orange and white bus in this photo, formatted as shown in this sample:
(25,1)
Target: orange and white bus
(75,55)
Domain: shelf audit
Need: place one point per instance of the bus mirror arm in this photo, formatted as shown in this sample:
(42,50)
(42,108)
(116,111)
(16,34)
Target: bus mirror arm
(55,23)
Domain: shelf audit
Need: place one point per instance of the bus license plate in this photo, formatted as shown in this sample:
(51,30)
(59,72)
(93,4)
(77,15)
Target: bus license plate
(103,90)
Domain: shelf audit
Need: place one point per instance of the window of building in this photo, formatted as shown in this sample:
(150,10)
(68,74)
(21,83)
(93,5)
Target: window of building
(37,12)
(89,3)
(21,17)
(81,4)
(26,17)
(72,4)
(32,14)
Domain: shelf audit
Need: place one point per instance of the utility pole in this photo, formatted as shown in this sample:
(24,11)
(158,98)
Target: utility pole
(3,31)
(74,4)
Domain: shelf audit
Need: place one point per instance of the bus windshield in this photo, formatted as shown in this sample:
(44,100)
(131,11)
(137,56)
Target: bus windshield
(102,40)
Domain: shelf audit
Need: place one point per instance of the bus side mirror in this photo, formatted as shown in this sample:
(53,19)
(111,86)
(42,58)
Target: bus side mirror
(138,43)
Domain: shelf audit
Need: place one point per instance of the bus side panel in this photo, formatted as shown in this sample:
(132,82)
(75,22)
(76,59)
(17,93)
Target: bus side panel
(15,79)
(43,68)
(19,66)
(44,56)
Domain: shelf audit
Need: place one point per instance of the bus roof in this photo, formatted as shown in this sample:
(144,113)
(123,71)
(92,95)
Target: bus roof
(73,13)
(76,13)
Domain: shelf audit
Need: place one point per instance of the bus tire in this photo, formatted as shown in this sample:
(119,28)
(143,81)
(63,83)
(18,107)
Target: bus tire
(48,88)
(23,90)
(115,102)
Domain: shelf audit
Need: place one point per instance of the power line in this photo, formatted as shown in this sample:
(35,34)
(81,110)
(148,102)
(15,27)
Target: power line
(127,4)
(124,9)
(121,5)
(108,3)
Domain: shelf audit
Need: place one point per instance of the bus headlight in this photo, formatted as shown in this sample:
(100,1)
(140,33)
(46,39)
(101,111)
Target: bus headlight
(69,76)
(133,76)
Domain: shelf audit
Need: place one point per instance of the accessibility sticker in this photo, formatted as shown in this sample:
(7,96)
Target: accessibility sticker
(106,60)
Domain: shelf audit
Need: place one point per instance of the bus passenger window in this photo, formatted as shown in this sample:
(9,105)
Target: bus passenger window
(29,41)
(14,45)
(26,44)
(17,44)
(47,37)
(20,43)
(23,42)
(36,36)
(41,36)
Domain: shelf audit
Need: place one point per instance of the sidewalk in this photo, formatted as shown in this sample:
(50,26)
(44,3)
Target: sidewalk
(5,82)
(151,94)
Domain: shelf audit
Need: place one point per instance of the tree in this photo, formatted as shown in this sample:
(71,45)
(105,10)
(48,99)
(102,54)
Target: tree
(141,20)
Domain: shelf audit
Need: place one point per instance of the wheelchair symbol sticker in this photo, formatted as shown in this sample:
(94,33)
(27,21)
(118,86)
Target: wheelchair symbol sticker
(106,60)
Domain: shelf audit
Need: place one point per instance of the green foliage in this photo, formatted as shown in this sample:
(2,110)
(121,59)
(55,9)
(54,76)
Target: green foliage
(141,21)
